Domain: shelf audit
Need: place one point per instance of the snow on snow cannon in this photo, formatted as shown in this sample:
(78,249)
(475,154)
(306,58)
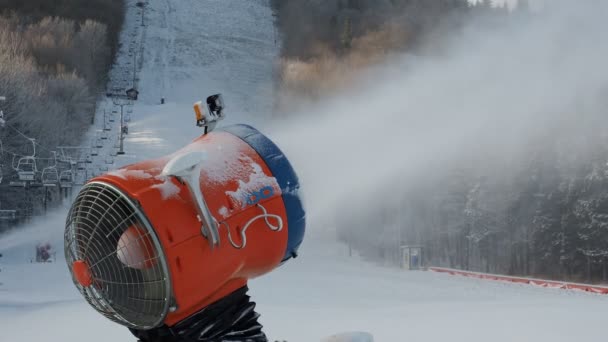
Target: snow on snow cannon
(165,247)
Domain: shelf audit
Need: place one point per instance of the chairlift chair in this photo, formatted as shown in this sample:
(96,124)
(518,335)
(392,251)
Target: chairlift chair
(63,156)
(17,184)
(8,214)
(26,168)
(50,176)
(80,178)
(97,143)
(66,179)
(36,183)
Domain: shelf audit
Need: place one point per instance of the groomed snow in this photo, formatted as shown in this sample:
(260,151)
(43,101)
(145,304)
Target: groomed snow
(195,48)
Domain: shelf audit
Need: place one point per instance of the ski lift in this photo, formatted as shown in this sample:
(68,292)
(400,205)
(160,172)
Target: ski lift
(66,179)
(8,215)
(36,183)
(50,176)
(16,183)
(132,94)
(26,166)
(2,120)
(63,157)
(80,178)
(1,165)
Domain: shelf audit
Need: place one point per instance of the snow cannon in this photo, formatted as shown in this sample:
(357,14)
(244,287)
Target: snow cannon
(165,247)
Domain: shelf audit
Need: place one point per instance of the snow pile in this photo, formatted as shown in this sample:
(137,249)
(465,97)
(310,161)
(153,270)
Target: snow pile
(223,163)
(168,189)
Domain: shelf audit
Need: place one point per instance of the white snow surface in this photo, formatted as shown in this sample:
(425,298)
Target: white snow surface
(167,188)
(194,48)
(257,180)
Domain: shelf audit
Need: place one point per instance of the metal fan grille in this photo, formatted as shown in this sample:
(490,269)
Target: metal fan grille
(129,279)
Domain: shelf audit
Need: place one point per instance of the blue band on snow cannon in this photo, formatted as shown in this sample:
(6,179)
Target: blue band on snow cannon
(286,177)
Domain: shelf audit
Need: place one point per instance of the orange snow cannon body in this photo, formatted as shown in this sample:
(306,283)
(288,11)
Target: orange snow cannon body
(155,242)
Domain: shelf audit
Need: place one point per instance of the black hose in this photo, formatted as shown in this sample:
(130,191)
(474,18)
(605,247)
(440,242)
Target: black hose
(231,319)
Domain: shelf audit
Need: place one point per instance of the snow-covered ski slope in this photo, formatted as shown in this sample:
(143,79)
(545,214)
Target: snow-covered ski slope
(193,48)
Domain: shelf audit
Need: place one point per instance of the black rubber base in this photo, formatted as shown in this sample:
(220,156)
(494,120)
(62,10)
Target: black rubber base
(232,319)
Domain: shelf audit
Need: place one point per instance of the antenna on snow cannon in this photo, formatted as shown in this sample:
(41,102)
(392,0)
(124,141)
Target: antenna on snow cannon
(166,247)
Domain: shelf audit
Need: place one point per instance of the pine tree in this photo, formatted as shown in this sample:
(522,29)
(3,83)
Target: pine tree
(346,38)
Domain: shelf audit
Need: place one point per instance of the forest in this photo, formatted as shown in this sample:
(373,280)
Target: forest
(542,214)
(53,64)
(323,42)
